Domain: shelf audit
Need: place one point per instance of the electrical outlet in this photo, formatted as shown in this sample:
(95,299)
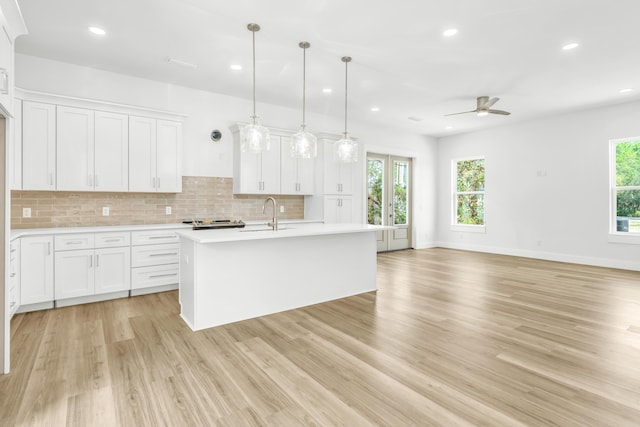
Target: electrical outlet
(105,211)
(167,210)
(281,208)
(26,212)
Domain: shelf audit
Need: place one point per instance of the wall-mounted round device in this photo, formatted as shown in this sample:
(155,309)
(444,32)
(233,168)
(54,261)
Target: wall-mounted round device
(216,135)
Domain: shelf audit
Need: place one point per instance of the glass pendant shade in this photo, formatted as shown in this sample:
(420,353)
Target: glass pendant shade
(346,150)
(304,144)
(254,137)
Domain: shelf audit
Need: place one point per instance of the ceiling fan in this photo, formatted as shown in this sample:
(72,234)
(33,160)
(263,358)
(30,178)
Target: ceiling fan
(484,107)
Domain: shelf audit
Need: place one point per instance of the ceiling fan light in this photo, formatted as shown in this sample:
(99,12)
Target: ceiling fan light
(483,113)
(304,144)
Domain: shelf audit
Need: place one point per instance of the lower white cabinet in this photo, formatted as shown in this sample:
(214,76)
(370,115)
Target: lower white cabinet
(338,209)
(14,277)
(93,270)
(154,261)
(36,270)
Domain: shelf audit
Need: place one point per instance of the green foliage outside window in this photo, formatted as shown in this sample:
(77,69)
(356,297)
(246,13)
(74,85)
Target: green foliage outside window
(628,175)
(374,191)
(470,192)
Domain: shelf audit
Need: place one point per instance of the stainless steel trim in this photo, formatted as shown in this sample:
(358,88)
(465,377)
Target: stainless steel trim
(162,275)
(165,254)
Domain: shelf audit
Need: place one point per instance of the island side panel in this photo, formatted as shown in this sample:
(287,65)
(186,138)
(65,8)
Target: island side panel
(241,280)
(187,289)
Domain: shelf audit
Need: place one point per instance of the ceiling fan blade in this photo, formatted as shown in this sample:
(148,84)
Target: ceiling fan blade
(490,103)
(504,113)
(464,112)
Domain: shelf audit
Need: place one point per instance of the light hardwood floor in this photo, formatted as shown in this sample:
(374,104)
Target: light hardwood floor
(450,338)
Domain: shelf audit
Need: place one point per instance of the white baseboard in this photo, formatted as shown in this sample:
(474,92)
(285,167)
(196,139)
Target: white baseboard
(426,245)
(549,256)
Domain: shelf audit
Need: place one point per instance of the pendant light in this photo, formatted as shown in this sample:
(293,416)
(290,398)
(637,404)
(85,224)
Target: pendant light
(304,144)
(254,137)
(346,149)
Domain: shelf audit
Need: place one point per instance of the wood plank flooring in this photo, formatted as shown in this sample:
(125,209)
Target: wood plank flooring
(451,338)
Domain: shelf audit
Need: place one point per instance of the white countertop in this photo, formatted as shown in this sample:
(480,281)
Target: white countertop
(21,232)
(285,231)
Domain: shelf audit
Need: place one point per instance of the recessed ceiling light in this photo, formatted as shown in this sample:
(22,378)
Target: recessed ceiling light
(97,31)
(236,67)
(449,127)
(375,109)
(327,90)
(570,46)
(627,90)
(450,32)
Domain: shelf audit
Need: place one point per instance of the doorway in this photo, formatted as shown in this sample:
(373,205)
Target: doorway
(389,199)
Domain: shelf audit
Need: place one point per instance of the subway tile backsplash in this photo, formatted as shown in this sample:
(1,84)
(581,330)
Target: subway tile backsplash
(201,197)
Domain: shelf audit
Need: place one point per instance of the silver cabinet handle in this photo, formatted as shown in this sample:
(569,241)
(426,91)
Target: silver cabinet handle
(95,179)
(13,303)
(97,260)
(153,182)
(74,242)
(12,275)
(162,275)
(158,182)
(112,240)
(164,254)
(48,248)
(50,178)
(90,261)
(163,237)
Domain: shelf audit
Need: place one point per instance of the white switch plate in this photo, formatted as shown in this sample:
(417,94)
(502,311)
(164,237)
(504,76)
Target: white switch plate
(105,211)
(281,208)
(167,210)
(26,212)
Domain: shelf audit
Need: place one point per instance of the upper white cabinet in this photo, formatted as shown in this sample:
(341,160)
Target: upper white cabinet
(75,149)
(6,67)
(338,177)
(38,146)
(155,163)
(111,154)
(297,176)
(92,150)
(256,173)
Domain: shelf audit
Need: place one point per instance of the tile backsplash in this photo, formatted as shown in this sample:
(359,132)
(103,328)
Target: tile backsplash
(201,197)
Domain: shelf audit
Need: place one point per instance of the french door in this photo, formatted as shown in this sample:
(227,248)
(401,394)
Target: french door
(389,199)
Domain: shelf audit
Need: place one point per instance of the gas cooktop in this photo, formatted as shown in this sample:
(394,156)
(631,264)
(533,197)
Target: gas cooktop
(209,224)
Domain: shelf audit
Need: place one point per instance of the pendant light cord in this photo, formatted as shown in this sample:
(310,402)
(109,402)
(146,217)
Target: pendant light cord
(304,85)
(346,60)
(253,33)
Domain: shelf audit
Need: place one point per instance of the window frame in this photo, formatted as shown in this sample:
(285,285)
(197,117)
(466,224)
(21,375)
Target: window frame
(616,236)
(455,226)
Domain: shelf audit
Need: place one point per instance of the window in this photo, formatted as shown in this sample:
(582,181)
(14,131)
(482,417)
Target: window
(625,185)
(468,195)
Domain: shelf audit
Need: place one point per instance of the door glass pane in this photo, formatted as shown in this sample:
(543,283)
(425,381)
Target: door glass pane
(400,190)
(375,203)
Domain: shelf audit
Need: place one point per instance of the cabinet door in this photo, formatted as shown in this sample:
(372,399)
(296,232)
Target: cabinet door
(14,276)
(75,149)
(38,146)
(36,270)
(330,169)
(250,174)
(271,168)
(289,178)
(15,152)
(6,67)
(345,210)
(345,177)
(142,154)
(112,270)
(306,176)
(168,156)
(111,152)
(331,209)
(74,274)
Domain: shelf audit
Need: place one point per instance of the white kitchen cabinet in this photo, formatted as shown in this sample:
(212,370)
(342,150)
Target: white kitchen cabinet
(75,149)
(111,152)
(36,270)
(256,173)
(38,146)
(90,264)
(6,68)
(155,163)
(15,151)
(14,276)
(338,209)
(297,176)
(338,176)
(155,257)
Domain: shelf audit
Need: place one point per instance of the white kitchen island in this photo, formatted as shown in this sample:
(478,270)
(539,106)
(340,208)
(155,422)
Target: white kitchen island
(237,274)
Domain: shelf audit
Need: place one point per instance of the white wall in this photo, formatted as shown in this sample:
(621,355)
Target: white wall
(547,187)
(207,111)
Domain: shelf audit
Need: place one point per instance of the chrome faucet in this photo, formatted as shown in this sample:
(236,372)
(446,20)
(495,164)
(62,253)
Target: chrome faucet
(274,221)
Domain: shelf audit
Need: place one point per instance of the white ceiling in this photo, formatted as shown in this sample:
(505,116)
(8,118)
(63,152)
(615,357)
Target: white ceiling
(401,61)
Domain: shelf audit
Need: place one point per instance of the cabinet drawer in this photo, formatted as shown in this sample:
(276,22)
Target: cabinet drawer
(143,256)
(159,275)
(112,239)
(70,242)
(153,237)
